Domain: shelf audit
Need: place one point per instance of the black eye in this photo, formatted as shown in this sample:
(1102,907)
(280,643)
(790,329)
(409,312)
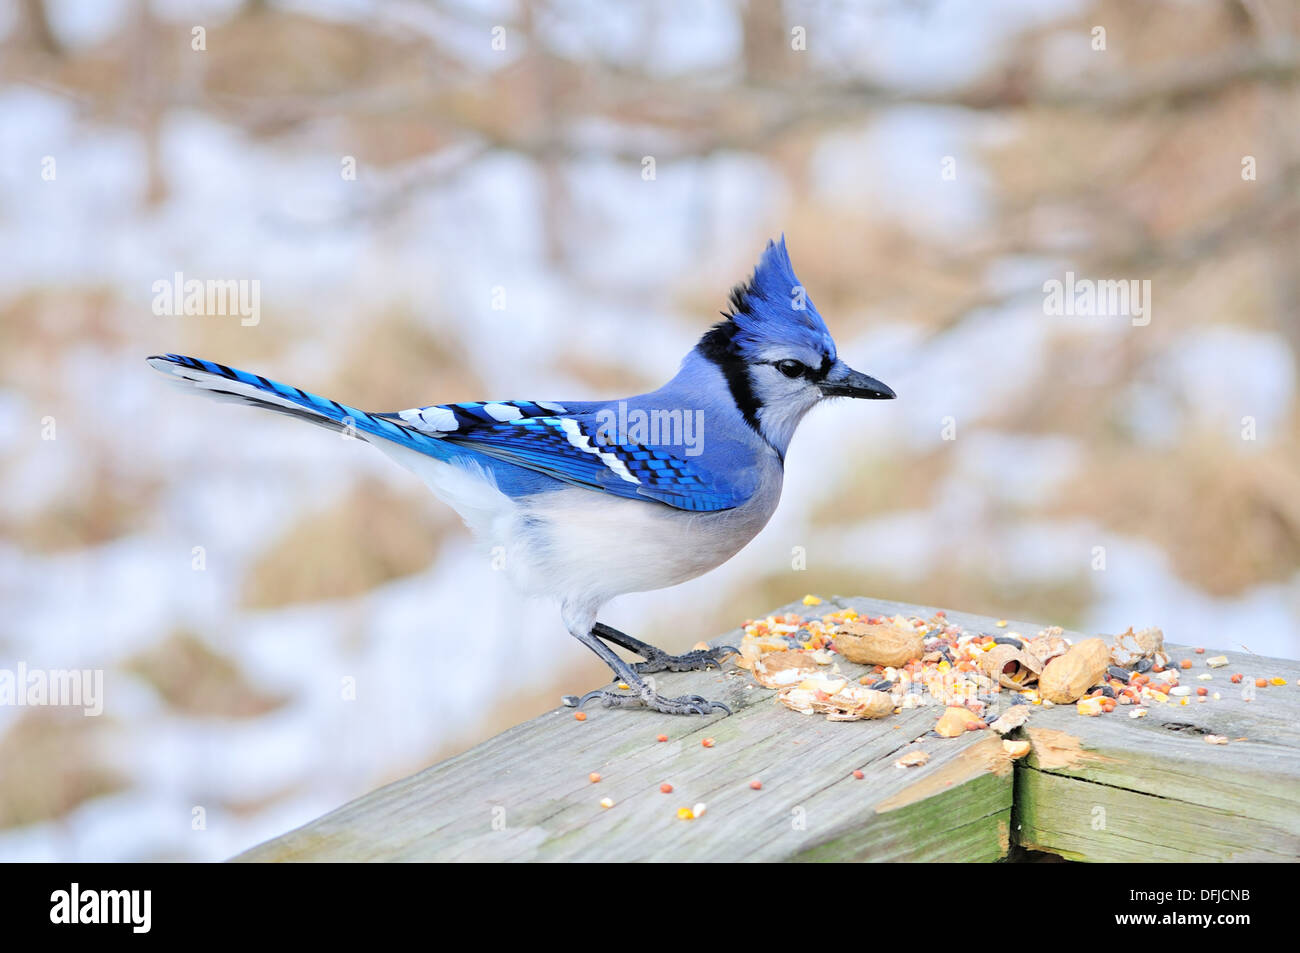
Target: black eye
(791,368)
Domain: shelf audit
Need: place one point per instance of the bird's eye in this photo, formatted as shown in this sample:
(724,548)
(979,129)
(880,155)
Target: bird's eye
(791,368)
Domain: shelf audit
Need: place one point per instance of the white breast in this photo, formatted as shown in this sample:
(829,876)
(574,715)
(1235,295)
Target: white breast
(586,547)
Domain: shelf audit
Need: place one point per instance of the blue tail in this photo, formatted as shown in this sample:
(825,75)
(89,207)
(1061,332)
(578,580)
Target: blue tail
(228,383)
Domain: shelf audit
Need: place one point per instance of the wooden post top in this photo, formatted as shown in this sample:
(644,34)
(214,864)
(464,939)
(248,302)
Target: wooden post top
(1092,788)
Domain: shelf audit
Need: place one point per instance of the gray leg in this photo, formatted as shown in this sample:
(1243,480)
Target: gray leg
(656,659)
(641,694)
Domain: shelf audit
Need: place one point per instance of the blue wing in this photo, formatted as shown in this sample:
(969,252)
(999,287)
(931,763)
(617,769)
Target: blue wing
(542,437)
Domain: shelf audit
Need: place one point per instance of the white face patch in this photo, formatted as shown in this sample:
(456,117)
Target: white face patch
(583,443)
(438,419)
(784,401)
(502,412)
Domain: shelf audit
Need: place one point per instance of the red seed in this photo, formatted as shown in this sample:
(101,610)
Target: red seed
(580,716)
(859,775)
(1261,683)
(707,742)
(662,738)
(1236,679)
(666,788)
(1185,663)
(1199,651)
(756,785)
(1202,691)
(594,777)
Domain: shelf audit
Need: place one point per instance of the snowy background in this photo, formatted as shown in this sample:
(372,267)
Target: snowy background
(516,174)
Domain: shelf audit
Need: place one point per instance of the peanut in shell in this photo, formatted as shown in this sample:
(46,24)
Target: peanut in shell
(1068,677)
(878,644)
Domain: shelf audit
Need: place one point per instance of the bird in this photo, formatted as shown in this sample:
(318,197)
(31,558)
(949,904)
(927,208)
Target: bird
(589,500)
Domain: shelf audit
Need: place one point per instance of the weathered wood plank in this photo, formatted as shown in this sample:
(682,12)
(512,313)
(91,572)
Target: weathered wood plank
(525,795)
(1116,788)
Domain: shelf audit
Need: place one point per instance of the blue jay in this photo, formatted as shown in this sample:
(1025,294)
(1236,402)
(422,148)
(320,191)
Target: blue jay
(587,500)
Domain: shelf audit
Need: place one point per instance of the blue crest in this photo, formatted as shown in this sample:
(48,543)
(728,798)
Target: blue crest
(774,307)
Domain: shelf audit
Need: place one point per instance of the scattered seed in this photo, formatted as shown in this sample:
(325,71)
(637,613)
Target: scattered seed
(1236,679)
(1279,681)
(685,814)
(1218,661)
(1199,650)
(1089,706)
(580,716)
(859,775)
(662,738)
(666,788)
(913,759)
(1202,691)
(606,802)
(1216,740)
(756,785)
(1002,623)
(623,686)
(1185,663)
(593,777)
(1017,749)
(707,742)
(699,809)
(1261,683)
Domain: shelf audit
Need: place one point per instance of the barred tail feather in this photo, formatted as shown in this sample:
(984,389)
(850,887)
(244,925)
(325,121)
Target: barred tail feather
(456,475)
(230,384)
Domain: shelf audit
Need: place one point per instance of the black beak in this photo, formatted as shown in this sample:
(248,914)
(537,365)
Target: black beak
(844,381)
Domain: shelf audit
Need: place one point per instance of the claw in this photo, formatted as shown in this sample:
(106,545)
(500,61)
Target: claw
(688,662)
(685,705)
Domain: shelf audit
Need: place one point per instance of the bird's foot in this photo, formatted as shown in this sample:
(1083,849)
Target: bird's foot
(684,705)
(658,660)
